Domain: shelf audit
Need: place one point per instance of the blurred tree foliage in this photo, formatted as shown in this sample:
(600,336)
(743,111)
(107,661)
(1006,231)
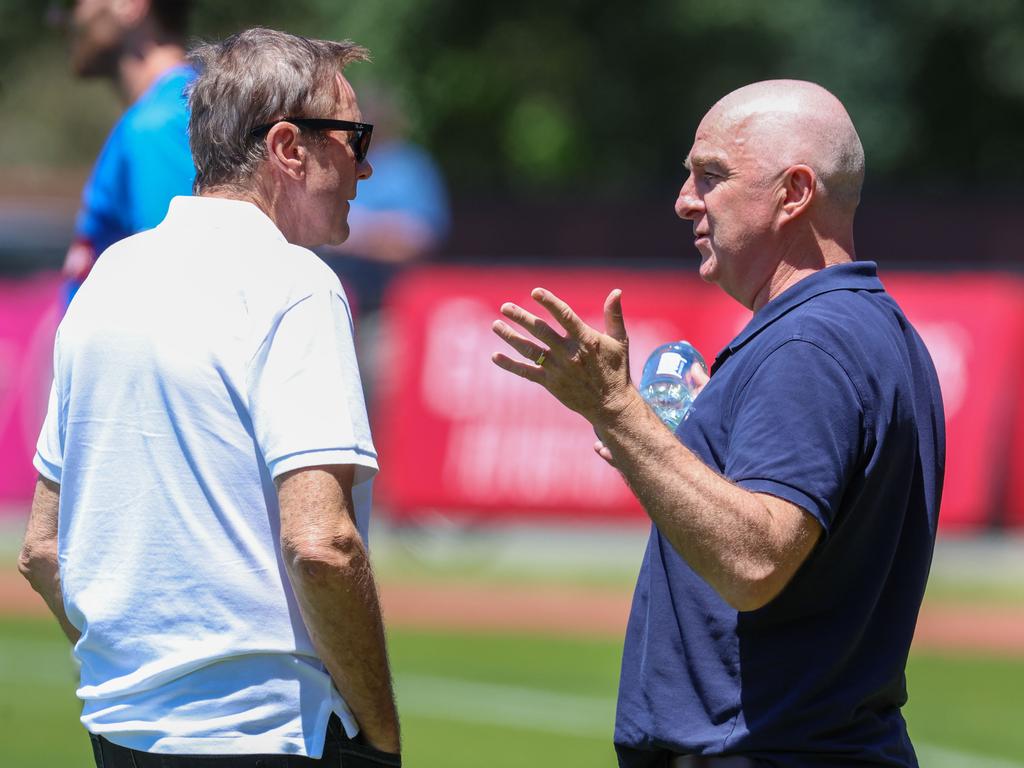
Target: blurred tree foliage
(594,97)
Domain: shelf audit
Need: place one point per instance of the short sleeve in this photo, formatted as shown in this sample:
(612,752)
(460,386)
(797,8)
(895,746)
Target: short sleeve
(49,458)
(305,395)
(798,430)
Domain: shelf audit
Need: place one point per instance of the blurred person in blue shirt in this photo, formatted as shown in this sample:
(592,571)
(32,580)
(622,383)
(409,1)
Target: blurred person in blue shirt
(401,214)
(139,46)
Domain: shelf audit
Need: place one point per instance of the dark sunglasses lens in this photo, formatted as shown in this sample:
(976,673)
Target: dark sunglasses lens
(362,144)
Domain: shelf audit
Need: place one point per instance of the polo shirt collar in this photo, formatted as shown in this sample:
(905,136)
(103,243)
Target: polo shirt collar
(220,213)
(852,276)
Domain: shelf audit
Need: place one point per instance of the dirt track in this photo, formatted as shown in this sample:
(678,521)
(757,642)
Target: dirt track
(589,612)
(941,627)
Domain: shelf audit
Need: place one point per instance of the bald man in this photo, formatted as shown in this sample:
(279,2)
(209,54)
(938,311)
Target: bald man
(794,511)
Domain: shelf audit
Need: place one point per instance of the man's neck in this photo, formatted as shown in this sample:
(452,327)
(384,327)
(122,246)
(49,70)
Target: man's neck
(265,196)
(137,71)
(801,261)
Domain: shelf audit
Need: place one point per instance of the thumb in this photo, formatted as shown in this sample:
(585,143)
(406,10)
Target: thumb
(614,325)
(698,378)
(602,450)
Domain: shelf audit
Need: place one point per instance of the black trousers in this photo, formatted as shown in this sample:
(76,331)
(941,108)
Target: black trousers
(641,758)
(339,752)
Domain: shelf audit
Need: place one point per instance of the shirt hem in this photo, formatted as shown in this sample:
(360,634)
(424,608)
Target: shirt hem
(50,471)
(364,461)
(229,745)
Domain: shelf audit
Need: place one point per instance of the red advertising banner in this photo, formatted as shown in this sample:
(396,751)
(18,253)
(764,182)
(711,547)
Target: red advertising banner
(29,313)
(456,434)
(1013,501)
(973,325)
(459,435)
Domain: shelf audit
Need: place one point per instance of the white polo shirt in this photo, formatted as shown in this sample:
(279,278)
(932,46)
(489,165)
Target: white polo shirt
(199,360)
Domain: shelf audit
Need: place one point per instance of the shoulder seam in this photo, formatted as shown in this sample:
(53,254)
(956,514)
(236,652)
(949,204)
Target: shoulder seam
(273,328)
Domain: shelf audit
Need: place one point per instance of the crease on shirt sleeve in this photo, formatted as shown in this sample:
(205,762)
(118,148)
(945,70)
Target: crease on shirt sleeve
(814,507)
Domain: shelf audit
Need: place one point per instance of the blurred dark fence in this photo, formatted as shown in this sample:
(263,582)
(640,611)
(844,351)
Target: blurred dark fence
(922,231)
(919,230)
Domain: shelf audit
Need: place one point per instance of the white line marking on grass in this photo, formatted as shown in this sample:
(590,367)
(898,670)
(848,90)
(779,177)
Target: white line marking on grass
(932,756)
(590,717)
(506,705)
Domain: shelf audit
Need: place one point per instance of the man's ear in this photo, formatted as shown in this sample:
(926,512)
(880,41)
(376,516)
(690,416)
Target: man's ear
(285,152)
(800,187)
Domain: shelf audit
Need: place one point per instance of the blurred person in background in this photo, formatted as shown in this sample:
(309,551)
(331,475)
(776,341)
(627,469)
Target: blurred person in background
(401,215)
(794,511)
(138,45)
(205,466)
(400,218)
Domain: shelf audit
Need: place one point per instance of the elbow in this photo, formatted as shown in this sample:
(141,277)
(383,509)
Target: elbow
(755,587)
(750,599)
(317,561)
(25,564)
(38,564)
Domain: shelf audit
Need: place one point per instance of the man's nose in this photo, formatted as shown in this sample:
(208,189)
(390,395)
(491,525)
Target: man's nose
(688,204)
(364,170)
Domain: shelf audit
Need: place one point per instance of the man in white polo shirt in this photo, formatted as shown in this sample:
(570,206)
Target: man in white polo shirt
(200,518)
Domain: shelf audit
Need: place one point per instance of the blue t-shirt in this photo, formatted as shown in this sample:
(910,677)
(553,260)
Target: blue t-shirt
(828,399)
(145,162)
(405,180)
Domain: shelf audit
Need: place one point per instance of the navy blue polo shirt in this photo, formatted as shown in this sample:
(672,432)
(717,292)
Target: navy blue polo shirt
(829,399)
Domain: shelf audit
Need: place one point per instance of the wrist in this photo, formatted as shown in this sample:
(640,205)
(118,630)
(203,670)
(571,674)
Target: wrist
(622,408)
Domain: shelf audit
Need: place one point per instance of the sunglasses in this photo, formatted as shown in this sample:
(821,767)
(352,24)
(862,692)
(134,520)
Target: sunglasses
(361,132)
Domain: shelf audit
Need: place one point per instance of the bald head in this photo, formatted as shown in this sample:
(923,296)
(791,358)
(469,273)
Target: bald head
(791,122)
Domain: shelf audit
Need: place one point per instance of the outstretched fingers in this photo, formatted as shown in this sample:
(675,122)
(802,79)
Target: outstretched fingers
(540,329)
(614,324)
(525,370)
(562,312)
(528,349)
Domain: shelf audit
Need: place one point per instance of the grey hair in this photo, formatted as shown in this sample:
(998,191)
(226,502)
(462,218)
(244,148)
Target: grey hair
(250,79)
(840,165)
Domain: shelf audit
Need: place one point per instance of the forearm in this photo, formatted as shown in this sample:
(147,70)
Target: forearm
(43,573)
(337,596)
(727,534)
(745,545)
(38,561)
(330,573)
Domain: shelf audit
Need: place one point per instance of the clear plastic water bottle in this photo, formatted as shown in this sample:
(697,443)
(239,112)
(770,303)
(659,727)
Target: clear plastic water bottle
(668,383)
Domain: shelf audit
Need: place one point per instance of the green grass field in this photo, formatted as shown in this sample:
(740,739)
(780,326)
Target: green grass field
(486,699)
(500,700)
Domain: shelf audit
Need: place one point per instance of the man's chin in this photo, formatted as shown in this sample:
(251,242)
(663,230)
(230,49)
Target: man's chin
(708,270)
(340,236)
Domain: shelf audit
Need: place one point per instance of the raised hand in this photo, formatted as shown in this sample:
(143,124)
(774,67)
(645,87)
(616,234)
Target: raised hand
(586,370)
